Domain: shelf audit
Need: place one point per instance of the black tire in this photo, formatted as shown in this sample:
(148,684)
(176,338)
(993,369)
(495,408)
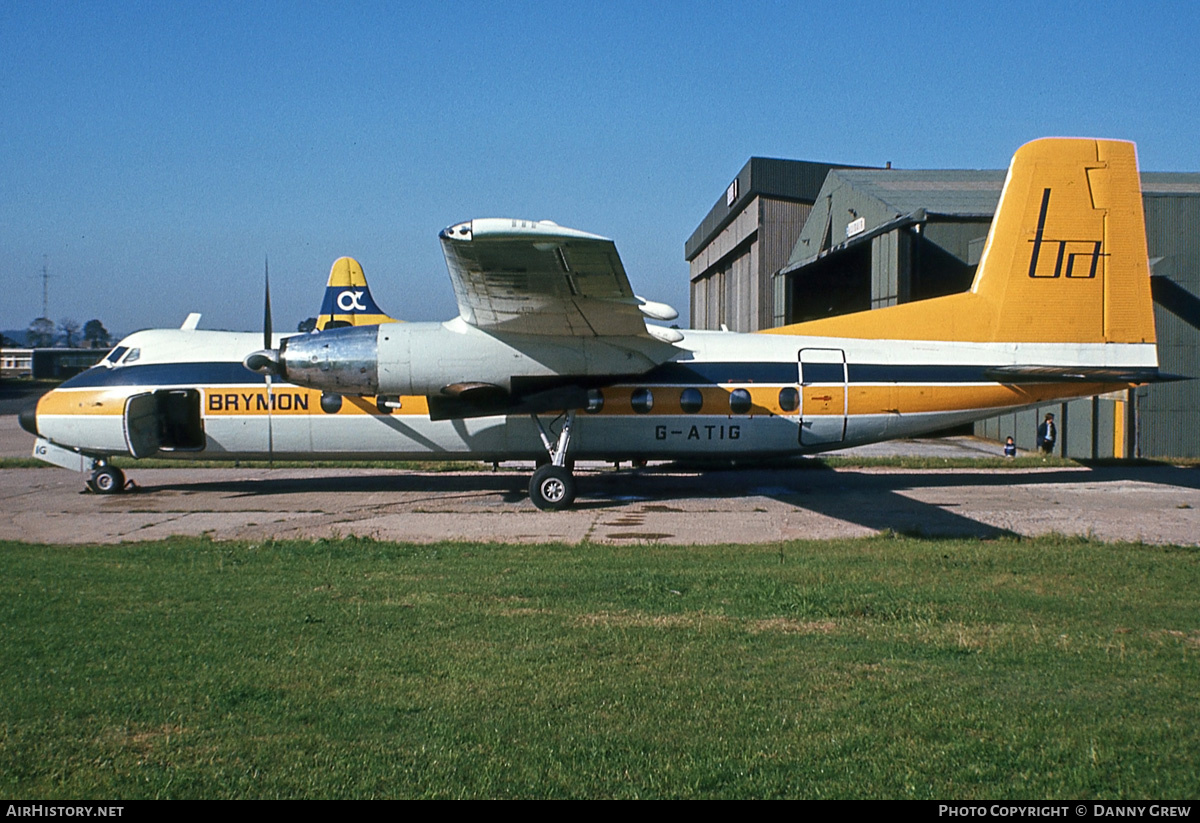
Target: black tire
(108,480)
(552,488)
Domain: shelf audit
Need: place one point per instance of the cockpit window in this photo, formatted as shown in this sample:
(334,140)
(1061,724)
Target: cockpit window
(114,355)
(133,355)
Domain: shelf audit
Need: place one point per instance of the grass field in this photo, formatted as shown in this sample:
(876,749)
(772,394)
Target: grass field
(887,667)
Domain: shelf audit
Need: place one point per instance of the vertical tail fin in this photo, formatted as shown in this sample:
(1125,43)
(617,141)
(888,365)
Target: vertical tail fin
(1064,262)
(348,300)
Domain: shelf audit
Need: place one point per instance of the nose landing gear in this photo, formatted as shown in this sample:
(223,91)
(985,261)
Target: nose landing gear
(107,480)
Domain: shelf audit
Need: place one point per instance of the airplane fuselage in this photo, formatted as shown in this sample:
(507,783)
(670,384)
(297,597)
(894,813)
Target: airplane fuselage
(723,394)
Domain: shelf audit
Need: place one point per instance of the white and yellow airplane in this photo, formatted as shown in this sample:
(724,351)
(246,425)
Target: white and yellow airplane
(548,326)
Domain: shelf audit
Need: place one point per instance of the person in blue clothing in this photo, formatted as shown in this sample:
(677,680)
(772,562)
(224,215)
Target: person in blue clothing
(1047,435)
(1010,448)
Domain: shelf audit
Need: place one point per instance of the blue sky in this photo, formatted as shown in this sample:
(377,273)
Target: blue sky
(153,153)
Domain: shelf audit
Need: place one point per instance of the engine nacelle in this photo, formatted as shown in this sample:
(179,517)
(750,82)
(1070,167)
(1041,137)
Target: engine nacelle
(429,358)
(344,361)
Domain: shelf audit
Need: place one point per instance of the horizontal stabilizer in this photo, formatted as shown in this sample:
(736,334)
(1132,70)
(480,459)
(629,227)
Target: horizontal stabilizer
(1079,374)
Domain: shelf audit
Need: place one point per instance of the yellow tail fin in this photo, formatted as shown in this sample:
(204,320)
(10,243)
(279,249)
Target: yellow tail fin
(1065,259)
(348,300)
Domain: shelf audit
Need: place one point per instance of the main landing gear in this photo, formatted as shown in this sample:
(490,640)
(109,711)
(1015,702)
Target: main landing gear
(552,487)
(107,480)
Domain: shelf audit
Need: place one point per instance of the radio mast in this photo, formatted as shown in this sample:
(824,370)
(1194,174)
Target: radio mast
(45,288)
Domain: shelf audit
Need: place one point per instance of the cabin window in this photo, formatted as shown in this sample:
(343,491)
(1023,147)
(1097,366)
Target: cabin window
(739,401)
(789,399)
(595,401)
(642,401)
(690,400)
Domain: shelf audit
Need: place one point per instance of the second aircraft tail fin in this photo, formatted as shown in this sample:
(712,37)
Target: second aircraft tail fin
(348,300)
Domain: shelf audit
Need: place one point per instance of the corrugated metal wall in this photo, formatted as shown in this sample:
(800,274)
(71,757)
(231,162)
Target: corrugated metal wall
(890,253)
(781,222)
(732,277)
(772,177)
(1170,412)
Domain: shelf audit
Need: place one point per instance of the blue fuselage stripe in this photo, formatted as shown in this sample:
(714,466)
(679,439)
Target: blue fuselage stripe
(166,374)
(668,374)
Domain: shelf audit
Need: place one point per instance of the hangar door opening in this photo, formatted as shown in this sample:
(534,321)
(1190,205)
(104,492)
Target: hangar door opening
(823,396)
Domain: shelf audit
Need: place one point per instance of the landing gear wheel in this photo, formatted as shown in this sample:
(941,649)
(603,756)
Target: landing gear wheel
(108,480)
(552,488)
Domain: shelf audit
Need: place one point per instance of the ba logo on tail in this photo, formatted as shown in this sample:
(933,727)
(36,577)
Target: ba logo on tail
(1068,251)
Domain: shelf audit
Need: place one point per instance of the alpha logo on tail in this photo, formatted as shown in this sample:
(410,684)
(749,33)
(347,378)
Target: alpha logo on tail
(348,300)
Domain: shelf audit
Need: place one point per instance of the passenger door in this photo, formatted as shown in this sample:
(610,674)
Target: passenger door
(142,435)
(823,396)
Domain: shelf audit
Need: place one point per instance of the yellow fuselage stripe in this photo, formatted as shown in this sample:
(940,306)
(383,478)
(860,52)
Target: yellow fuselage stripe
(817,400)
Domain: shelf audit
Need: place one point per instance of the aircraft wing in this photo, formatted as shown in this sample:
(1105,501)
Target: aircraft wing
(540,278)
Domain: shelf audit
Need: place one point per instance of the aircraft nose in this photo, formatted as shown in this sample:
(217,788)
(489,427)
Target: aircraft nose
(28,419)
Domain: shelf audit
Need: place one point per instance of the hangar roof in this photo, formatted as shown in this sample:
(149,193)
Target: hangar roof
(1170,182)
(882,199)
(971,192)
(795,180)
(964,193)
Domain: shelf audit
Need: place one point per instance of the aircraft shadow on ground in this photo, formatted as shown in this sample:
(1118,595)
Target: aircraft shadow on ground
(874,500)
(866,500)
(506,484)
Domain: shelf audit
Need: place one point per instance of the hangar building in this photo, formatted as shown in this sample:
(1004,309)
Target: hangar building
(868,238)
(746,239)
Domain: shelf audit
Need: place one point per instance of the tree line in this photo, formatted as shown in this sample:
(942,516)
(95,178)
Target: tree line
(42,333)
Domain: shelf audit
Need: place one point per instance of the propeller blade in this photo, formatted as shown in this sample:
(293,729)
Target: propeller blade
(266,303)
(266,362)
